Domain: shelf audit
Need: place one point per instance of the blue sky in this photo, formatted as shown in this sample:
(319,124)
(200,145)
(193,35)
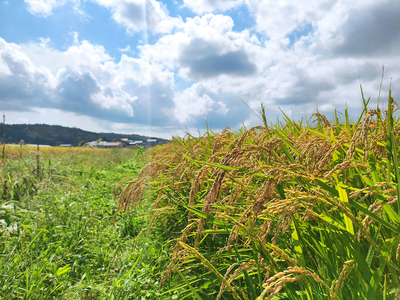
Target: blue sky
(162,67)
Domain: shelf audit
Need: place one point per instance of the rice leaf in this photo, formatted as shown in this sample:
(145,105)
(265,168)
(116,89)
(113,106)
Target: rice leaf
(195,294)
(297,245)
(344,199)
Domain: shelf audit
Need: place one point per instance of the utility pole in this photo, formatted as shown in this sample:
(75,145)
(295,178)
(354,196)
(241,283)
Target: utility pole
(4,140)
(4,128)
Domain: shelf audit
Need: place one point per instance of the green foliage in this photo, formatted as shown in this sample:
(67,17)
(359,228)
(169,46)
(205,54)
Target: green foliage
(57,239)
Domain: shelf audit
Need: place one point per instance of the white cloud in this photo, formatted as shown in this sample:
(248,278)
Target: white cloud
(118,99)
(84,80)
(225,63)
(345,33)
(214,30)
(44,42)
(44,8)
(193,103)
(75,37)
(141,72)
(137,15)
(221,108)
(277,18)
(126,49)
(16,61)
(203,6)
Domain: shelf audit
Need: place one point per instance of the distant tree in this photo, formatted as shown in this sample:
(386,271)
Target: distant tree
(116,140)
(55,135)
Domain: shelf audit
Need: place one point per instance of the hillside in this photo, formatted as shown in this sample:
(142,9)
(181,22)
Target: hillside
(54,135)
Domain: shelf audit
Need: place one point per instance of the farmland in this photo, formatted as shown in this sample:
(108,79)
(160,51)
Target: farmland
(293,210)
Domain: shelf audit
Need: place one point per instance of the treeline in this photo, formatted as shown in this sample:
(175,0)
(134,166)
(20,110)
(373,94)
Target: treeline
(55,135)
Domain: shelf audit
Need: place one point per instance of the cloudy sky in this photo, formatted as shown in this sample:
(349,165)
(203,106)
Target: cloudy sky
(162,67)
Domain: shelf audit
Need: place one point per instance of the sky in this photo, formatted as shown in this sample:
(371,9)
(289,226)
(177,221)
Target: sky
(163,68)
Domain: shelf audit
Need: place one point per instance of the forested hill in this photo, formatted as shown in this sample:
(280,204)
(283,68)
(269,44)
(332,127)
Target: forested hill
(54,135)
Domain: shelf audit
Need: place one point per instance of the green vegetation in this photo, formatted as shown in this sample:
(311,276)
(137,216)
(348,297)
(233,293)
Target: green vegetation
(57,239)
(293,210)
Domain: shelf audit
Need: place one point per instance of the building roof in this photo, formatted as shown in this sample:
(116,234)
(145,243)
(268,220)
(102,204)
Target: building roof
(65,145)
(135,142)
(94,143)
(152,140)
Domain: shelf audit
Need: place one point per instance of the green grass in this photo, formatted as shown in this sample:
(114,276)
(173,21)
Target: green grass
(57,239)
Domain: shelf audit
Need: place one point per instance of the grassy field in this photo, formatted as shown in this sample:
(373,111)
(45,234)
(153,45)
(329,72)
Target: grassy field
(57,238)
(292,210)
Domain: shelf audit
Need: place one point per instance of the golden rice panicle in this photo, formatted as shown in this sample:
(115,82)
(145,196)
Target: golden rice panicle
(322,119)
(268,189)
(275,283)
(198,180)
(152,170)
(346,270)
(238,142)
(223,286)
(209,201)
(178,170)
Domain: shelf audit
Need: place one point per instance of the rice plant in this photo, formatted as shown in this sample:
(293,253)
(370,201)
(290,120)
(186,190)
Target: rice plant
(299,210)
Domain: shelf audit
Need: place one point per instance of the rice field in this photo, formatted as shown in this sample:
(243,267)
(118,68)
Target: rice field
(291,210)
(14,152)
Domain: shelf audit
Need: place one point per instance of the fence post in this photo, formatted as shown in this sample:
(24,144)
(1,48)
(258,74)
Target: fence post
(37,162)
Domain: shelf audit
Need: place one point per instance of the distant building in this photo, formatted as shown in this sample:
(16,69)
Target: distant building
(97,144)
(151,142)
(65,145)
(136,143)
(111,145)
(124,140)
(35,145)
